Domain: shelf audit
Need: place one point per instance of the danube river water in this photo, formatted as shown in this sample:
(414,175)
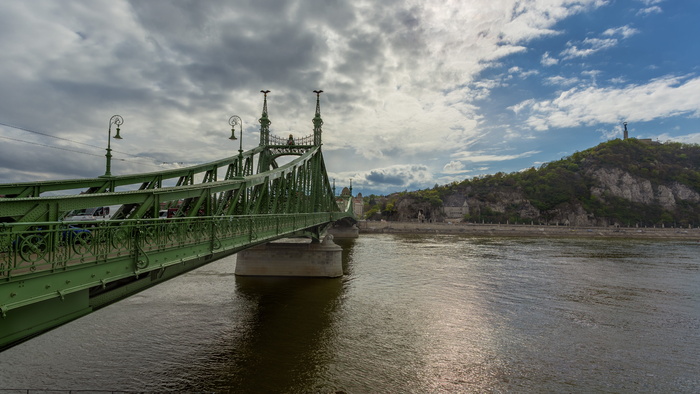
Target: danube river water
(413,313)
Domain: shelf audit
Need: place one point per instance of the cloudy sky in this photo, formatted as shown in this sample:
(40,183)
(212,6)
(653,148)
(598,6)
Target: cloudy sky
(416,92)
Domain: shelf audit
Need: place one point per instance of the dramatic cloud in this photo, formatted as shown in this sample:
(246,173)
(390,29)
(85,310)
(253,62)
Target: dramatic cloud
(558,80)
(398,176)
(455,166)
(416,91)
(687,139)
(624,31)
(588,47)
(651,7)
(663,97)
(478,157)
(547,60)
(649,11)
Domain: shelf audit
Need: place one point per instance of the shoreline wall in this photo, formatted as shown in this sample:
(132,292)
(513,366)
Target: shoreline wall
(524,230)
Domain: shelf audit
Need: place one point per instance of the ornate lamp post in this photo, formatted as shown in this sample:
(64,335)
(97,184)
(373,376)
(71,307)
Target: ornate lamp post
(233,121)
(116,120)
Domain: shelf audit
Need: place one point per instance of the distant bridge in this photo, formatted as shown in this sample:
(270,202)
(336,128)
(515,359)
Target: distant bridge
(53,271)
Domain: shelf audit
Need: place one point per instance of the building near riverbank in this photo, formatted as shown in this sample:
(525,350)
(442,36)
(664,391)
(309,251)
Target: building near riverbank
(456,213)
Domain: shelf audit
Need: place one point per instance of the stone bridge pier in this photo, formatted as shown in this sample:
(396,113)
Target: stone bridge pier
(292,257)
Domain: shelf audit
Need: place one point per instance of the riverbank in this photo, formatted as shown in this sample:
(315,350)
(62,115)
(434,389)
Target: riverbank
(524,230)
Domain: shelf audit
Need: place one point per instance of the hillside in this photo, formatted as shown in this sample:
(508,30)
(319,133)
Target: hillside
(619,182)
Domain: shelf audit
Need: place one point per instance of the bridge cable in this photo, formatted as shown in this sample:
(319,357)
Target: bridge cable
(59,138)
(81,143)
(54,147)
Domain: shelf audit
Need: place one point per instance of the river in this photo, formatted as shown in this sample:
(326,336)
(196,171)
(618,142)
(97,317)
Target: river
(413,313)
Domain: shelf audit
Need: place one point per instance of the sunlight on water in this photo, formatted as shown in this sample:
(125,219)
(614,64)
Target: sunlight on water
(413,313)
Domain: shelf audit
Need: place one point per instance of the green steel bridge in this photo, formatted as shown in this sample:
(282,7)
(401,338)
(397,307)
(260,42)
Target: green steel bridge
(53,271)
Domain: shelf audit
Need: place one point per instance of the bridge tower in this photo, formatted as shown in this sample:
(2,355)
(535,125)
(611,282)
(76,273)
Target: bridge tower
(265,159)
(275,146)
(318,258)
(318,161)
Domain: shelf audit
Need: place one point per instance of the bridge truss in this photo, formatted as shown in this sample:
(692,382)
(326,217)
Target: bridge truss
(53,271)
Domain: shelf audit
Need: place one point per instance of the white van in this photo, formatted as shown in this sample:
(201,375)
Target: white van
(95,213)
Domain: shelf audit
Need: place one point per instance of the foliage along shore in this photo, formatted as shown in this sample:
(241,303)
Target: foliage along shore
(623,183)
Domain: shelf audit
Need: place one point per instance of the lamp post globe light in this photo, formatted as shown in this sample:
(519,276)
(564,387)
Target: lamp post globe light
(114,120)
(234,121)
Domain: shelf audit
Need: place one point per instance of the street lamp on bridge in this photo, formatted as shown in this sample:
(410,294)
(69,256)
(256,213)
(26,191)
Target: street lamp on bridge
(234,121)
(116,120)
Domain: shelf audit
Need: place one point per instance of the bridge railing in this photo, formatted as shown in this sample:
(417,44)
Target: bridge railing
(149,243)
(276,140)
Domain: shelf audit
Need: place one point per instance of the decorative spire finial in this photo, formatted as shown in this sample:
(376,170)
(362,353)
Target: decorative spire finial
(265,92)
(318,122)
(264,122)
(318,104)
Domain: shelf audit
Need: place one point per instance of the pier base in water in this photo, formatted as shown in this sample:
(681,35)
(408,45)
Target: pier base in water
(343,232)
(310,259)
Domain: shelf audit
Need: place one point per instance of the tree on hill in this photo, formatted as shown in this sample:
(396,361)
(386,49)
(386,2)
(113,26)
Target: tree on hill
(625,182)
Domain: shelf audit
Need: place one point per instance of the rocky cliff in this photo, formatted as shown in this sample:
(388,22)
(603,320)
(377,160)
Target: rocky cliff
(622,184)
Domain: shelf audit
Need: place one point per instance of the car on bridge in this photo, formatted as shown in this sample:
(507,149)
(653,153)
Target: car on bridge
(167,213)
(90,214)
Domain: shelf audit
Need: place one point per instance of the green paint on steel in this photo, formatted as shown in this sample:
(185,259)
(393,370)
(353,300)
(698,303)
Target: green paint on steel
(72,267)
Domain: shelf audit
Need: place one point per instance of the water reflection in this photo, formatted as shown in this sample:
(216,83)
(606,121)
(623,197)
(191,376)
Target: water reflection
(289,326)
(415,313)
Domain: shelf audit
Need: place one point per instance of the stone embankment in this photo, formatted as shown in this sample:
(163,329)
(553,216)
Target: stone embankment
(524,230)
